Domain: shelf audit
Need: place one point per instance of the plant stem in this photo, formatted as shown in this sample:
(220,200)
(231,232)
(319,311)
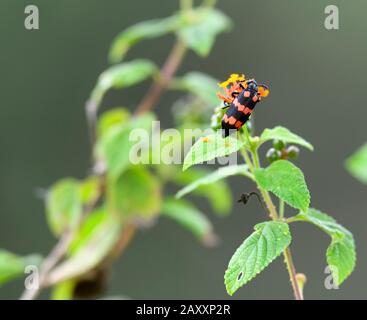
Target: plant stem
(209,3)
(255,164)
(186,4)
(50,261)
(281,209)
(167,72)
(292,274)
(127,235)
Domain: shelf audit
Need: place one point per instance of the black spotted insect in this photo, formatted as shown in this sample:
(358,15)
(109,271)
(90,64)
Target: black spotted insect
(241,97)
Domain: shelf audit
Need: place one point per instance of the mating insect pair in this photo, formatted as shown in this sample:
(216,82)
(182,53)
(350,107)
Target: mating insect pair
(241,97)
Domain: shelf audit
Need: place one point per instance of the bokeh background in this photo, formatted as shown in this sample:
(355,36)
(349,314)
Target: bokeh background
(317,80)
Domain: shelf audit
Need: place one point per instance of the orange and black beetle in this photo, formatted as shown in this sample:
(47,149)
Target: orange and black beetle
(241,98)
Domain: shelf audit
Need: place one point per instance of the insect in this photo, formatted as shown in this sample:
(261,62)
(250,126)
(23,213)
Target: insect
(241,97)
(245,197)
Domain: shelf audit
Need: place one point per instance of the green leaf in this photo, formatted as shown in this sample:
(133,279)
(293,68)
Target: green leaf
(211,147)
(341,253)
(116,144)
(218,194)
(201,85)
(286,181)
(283,134)
(93,221)
(90,190)
(144,30)
(214,177)
(190,218)
(201,28)
(64,206)
(63,290)
(13,266)
(323,221)
(112,118)
(357,164)
(268,241)
(121,76)
(341,258)
(87,256)
(135,194)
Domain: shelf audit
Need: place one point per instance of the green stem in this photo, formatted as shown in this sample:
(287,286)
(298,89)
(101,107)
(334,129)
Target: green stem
(281,209)
(255,164)
(209,3)
(292,273)
(186,5)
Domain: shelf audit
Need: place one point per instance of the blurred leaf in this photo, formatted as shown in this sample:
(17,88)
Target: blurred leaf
(190,218)
(95,248)
(116,144)
(191,112)
(201,85)
(12,266)
(135,194)
(112,118)
(64,206)
(201,28)
(219,196)
(213,177)
(283,134)
(357,164)
(121,76)
(63,290)
(140,31)
(90,190)
(341,254)
(268,241)
(94,220)
(286,181)
(211,147)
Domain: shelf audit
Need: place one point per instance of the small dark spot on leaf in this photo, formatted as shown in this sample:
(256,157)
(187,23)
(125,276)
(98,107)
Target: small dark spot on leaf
(239,277)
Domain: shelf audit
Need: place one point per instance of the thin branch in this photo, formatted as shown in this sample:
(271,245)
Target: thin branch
(126,236)
(50,261)
(91,108)
(167,72)
(292,273)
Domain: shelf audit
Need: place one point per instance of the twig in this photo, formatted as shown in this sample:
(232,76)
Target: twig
(91,108)
(50,261)
(167,72)
(126,236)
(292,273)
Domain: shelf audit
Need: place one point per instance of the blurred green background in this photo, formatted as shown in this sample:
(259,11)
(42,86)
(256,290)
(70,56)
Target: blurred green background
(317,80)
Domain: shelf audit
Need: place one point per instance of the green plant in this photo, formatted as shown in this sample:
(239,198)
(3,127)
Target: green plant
(285,181)
(95,218)
(356,164)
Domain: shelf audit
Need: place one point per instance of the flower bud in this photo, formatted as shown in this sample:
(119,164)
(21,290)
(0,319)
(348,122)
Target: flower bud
(292,152)
(278,145)
(273,155)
